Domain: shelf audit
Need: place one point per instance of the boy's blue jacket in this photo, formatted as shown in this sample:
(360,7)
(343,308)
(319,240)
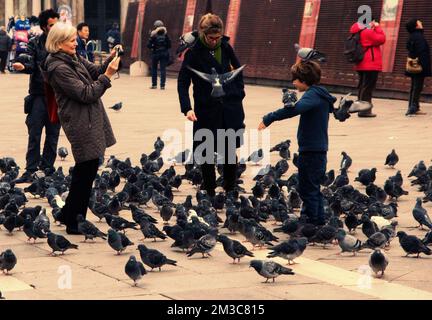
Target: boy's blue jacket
(314,108)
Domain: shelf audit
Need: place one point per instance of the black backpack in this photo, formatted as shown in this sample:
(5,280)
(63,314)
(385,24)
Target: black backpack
(353,49)
(160,43)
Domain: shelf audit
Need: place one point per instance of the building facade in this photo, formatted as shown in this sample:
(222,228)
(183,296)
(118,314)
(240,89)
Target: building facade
(263,33)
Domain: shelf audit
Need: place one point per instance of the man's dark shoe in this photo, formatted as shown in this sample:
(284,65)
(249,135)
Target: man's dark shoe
(162,88)
(153,87)
(410,112)
(366,115)
(27,177)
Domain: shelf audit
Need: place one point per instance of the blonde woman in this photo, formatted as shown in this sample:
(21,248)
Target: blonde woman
(79,86)
(212,50)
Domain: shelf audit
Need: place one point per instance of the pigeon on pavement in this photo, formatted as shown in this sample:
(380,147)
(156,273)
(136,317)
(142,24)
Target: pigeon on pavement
(269,269)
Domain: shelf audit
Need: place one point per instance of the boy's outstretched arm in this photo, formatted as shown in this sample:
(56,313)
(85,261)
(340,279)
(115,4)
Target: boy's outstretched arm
(303,105)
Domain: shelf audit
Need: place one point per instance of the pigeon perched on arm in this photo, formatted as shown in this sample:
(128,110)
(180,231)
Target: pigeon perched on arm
(269,269)
(8,260)
(392,159)
(134,270)
(378,262)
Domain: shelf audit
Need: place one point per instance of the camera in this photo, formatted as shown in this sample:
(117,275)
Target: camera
(120,51)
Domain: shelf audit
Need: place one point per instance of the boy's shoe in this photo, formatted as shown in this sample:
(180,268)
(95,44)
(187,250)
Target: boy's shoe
(162,88)
(360,106)
(153,87)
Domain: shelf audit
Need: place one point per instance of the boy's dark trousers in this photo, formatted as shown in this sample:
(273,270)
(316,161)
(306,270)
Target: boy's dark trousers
(78,199)
(311,172)
(3,59)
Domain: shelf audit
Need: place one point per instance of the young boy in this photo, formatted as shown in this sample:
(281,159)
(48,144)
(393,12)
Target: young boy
(314,108)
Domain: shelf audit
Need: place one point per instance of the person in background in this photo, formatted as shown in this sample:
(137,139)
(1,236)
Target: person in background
(84,48)
(417,47)
(113,36)
(159,43)
(36,105)
(371,38)
(5,47)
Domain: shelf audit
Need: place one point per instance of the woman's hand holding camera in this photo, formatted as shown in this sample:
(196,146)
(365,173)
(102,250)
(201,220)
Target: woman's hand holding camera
(191,116)
(117,51)
(112,67)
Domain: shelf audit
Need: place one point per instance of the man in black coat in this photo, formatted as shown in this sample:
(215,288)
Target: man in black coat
(159,43)
(212,50)
(35,104)
(419,48)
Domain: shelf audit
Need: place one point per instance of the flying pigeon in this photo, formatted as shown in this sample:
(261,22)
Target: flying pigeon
(218,80)
(62,153)
(308,54)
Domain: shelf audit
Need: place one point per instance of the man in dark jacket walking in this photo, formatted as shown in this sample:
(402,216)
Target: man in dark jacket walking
(212,50)
(35,105)
(5,46)
(159,43)
(417,47)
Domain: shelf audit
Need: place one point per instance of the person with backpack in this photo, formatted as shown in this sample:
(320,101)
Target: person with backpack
(160,44)
(418,48)
(363,49)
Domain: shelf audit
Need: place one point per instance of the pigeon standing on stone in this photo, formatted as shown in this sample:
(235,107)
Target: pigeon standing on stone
(233,248)
(348,243)
(88,229)
(392,159)
(256,156)
(378,262)
(8,261)
(181,158)
(421,216)
(204,245)
(118,241)
(269,269)
(346,161)
(366,176)
(289,250)
(59,243)
(62,153)
(412,244)
(134,270)
(153,258)
(218,80)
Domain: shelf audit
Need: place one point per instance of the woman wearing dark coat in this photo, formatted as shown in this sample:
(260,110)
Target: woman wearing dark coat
(78,86)
(417,47)
(212,50)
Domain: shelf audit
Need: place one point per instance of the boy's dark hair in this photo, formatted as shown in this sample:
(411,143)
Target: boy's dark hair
(81,25)
(308,72)
(45,15)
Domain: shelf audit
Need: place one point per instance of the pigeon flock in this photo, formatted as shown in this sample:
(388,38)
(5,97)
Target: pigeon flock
(199,222)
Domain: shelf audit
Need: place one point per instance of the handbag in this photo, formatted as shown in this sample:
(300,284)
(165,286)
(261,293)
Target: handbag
(52,106)
(413,66)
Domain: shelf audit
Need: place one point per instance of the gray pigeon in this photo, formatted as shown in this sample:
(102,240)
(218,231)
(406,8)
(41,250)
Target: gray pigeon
(117,106)
(378,262)
(420,215)
(134,270)
(412,244)
(378,240)
(59,243)
(269,269)
(347,242)
(89,230)
(204,245)
(8,261)
(153,258)
(289,250)
(218,80)
(182,157)
(346,161)
(118,241)
(233,248)
(308,54)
